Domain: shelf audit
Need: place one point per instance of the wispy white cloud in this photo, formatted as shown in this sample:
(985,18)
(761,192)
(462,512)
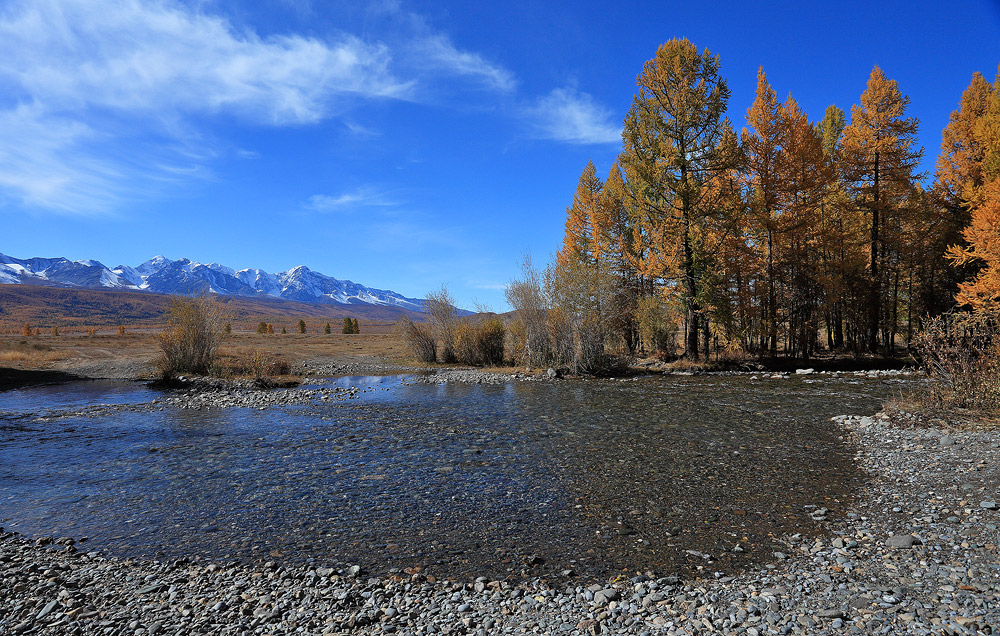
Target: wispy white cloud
(30,165)
(362,197)
(490,286)
(85,86)
(571,116)
(438,52)
(170,59)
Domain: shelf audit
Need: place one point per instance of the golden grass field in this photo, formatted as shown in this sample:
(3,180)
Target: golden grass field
(75,349)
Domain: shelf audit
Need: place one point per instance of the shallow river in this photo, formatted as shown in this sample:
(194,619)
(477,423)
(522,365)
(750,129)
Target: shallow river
(674,475)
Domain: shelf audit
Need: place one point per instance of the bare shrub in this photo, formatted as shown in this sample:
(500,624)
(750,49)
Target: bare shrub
(963,352)
(418,340)
(444,318)
(258,365)
(588,347)
(560,334)
(194,331)
(527,297)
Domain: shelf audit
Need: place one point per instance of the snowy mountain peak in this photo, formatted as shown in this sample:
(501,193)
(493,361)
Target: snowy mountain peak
(184,276)
(153,264)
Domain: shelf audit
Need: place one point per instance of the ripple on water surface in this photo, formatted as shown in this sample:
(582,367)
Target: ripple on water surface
(458,479)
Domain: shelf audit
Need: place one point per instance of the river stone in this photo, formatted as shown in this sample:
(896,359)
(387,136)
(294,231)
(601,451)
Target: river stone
(830,613)
(51,605)
(606,595)
(988,505)
(947,440)
(902,541)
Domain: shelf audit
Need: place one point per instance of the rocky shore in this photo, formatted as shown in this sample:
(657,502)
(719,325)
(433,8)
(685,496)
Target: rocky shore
(917,555)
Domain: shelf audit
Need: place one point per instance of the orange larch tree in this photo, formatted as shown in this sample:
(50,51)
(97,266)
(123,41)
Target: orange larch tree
(804,175)
(983,239)
(762,151)
(880,156)
(982,236)
(578,241)
(671,138)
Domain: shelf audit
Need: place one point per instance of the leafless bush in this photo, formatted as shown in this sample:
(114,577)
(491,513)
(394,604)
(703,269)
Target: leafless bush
(444,318)
(588,347)
(257,365)
(560,333)
(963,352)
(194,331)
(527,298)
(418,340)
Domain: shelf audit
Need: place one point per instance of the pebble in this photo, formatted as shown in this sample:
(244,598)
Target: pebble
(902,541)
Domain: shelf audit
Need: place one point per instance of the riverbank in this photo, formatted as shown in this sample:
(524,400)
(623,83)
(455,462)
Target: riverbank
(33,360)
(916,554)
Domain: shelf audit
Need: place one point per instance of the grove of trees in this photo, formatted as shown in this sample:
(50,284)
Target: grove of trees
(784,238)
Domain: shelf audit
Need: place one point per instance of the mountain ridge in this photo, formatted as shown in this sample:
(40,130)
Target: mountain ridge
(183,276)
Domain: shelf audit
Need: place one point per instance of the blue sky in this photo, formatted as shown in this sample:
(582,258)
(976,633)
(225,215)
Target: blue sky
(402,145)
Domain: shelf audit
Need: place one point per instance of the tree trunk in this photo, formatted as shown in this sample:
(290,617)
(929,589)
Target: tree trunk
(772,300)
(875,293)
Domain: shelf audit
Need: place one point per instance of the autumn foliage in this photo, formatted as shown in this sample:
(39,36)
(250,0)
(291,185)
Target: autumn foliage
(786,238)
(970,175)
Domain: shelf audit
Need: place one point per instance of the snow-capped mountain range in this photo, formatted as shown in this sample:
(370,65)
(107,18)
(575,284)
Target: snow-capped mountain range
(164,276)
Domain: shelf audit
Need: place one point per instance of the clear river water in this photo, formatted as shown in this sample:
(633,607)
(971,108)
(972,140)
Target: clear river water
(579,478)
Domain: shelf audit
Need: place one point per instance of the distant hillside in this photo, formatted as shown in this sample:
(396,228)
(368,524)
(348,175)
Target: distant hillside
(47,306)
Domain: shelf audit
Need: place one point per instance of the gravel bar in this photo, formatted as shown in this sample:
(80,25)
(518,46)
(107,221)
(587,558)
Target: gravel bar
(917,555)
